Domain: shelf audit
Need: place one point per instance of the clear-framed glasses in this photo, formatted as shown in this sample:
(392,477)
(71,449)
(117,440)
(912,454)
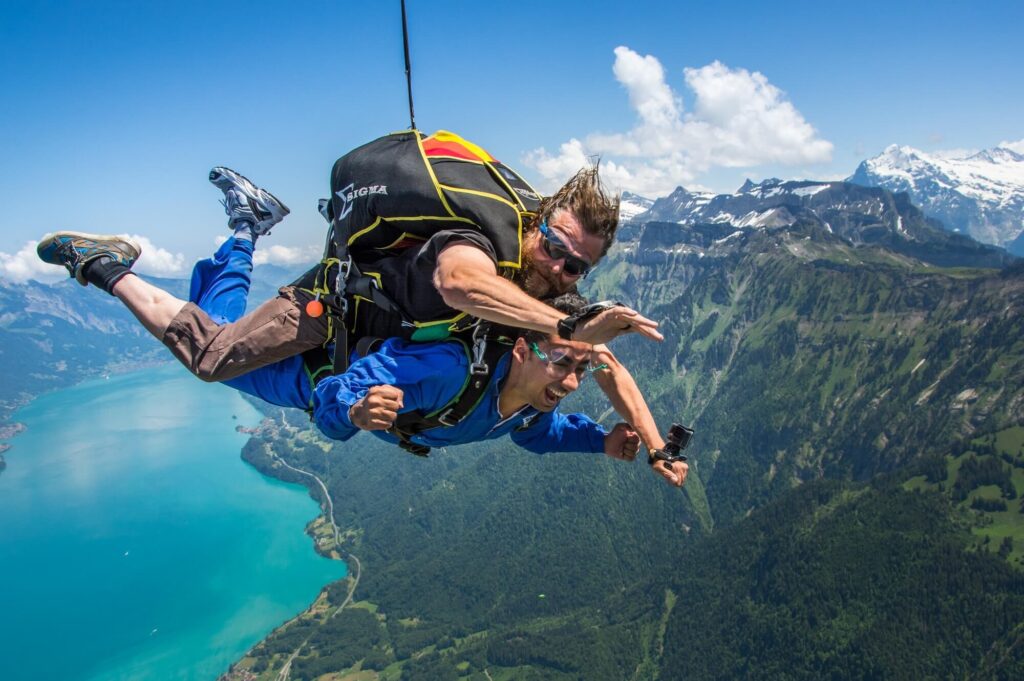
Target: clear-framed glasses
(561,363)
(556,249)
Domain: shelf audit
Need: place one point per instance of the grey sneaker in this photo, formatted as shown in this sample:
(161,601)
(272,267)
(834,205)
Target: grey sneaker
(74,250)
(245,202)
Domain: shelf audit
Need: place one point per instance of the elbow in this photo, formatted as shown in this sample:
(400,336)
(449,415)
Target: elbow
(611,370)
(455,287)
(328,423)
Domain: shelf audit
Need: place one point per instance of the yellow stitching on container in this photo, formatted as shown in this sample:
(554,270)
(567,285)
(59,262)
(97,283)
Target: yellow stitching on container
(364,230)
(404,235)
(519,220)
(511,192)
(433,177)
(486,195)
(442,218)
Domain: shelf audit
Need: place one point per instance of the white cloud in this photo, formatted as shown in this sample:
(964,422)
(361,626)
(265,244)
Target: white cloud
(286,255)
(159,262)
(281,255)
(645,79)
(25,264)
(1017,146)
(739,120)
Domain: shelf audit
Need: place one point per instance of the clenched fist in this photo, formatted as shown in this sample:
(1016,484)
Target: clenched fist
(378,409)
(622,442)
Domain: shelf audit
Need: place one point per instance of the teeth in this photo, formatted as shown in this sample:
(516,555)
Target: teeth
(558,393)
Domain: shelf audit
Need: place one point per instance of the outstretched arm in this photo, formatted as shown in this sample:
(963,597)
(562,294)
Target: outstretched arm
(557,432)
(617,383)
(624,394)
(468,280)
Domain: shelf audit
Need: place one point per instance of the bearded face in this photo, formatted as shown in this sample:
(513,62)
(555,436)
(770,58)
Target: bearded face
(543,271)
(530,277)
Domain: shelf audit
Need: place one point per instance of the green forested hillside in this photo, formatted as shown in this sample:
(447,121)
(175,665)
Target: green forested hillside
(846,581)
(843,519)
(478,549)
(798,357)
(832,580)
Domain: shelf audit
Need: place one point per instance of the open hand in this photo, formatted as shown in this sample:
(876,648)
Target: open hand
(622,442)
(615,322)
(378,409)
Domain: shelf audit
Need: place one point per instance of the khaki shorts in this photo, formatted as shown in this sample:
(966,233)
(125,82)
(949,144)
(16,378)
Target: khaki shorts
(277,329)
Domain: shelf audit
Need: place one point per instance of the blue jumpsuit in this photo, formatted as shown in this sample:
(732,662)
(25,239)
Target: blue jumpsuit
(429,374)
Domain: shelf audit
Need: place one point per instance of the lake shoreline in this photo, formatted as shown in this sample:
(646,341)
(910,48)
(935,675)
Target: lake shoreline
(7,432)
(320,530)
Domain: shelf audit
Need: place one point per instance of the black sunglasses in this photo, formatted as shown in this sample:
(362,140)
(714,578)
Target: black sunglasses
(556,250)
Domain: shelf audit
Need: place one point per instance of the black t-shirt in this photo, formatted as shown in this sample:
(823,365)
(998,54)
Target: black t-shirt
(408,280)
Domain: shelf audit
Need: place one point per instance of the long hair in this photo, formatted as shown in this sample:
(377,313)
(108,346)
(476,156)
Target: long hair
(586,198)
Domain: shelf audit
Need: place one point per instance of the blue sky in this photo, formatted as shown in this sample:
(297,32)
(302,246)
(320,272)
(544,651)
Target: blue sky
(113,112)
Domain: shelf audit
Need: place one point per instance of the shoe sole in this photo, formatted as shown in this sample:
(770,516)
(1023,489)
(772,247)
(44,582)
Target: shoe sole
(52,237)
(246,186)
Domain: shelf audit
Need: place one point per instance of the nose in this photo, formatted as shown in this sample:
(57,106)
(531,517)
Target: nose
(571,382)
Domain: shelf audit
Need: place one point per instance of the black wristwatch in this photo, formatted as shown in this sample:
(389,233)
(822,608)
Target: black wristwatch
(567,327)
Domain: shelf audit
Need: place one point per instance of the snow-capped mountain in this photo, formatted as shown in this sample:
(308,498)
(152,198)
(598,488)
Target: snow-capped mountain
(679,206)
(857,214)
(632,205)
(981,195)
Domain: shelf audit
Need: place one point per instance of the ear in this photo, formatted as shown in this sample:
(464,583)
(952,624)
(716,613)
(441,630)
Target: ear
(530,238)
(520,350)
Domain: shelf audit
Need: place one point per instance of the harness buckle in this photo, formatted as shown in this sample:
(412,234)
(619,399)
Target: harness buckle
(344,268)
(341,283)
(479,364)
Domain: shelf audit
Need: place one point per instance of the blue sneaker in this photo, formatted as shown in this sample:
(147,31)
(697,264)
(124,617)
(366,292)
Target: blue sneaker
(245,202)
(74,250)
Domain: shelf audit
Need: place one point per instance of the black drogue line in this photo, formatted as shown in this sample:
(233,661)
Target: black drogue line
(408,66)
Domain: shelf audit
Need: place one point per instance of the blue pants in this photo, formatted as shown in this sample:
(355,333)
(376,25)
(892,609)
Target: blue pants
(220,286)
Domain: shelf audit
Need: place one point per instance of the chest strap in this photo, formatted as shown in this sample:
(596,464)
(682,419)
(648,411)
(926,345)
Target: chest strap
(484,356)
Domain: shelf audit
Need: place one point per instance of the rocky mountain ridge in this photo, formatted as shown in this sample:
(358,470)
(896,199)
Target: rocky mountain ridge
(981,195)
(867,216)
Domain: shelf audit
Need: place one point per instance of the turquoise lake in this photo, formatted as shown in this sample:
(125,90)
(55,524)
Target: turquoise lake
(136,544)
